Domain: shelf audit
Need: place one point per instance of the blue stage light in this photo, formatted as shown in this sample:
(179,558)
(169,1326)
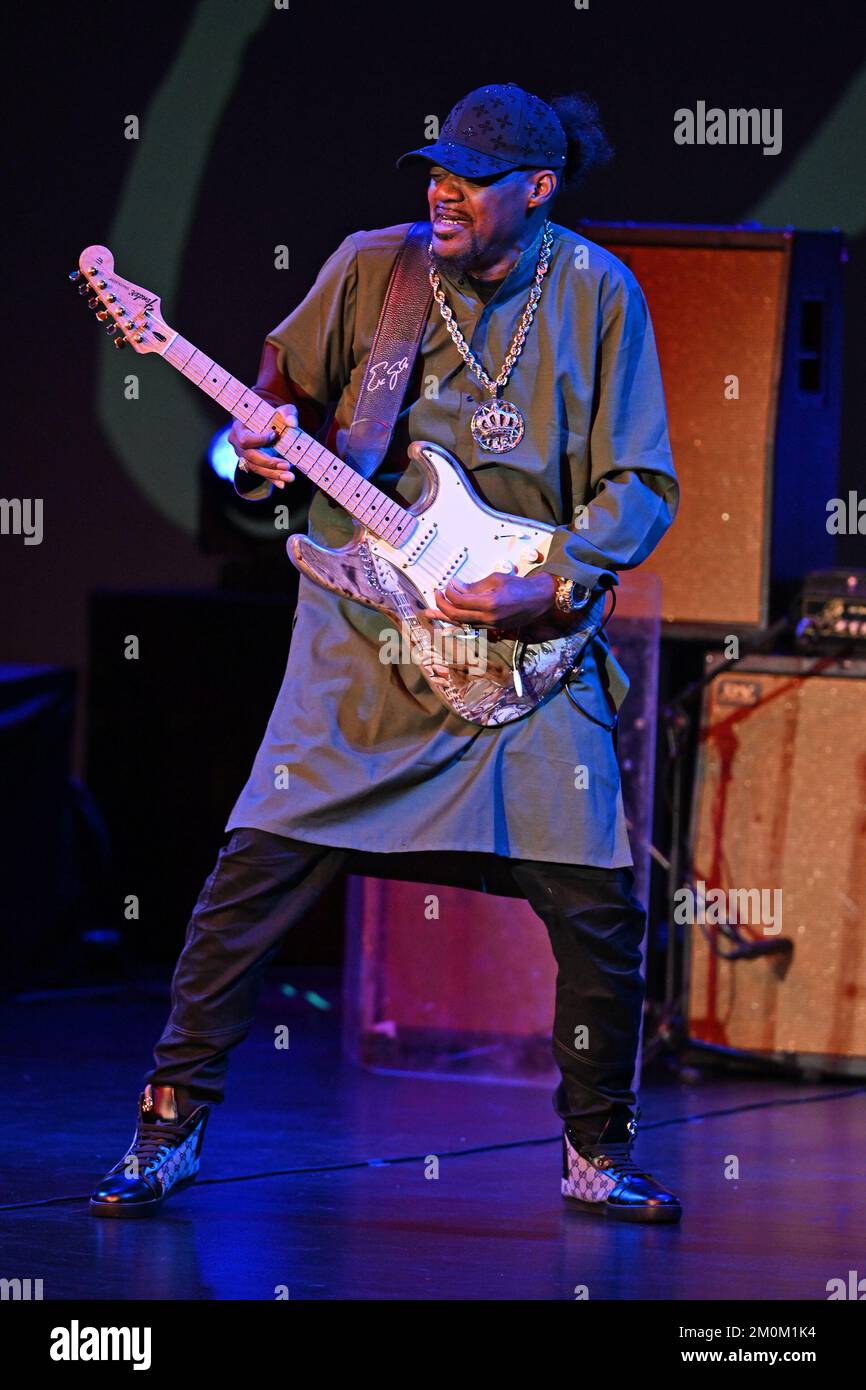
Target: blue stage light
(221,456)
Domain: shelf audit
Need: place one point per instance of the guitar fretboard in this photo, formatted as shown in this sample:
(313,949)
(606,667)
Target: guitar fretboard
(366,503)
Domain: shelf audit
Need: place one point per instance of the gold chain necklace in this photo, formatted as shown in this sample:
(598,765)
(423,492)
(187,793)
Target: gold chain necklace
(497,426)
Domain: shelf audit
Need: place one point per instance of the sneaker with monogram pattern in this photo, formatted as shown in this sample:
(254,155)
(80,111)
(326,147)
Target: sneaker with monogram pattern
(163,1157)
(602,1177)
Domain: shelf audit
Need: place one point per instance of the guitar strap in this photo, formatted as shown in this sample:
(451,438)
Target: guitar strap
(392,354)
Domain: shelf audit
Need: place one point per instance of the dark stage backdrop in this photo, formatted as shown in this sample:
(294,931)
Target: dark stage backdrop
(263,126)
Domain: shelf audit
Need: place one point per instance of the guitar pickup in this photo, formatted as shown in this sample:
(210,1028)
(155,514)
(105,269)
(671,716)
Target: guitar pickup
(420,542)
(454,566)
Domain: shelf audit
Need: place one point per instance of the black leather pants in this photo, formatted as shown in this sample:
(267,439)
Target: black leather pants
(263,883)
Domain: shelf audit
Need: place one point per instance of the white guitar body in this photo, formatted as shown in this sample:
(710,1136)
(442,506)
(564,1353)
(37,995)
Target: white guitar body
(456,536)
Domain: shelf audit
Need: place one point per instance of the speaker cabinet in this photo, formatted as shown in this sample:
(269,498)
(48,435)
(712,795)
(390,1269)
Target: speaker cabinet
(780,804)
(748,325)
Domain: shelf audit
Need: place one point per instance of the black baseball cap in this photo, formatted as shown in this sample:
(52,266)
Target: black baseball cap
(493,130)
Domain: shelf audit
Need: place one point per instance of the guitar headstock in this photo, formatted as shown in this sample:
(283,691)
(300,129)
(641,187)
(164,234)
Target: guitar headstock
(130,313)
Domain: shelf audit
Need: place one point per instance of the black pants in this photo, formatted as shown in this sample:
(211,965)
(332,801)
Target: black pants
(263,883)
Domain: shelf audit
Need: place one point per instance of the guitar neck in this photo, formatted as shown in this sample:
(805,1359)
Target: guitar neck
(366,503)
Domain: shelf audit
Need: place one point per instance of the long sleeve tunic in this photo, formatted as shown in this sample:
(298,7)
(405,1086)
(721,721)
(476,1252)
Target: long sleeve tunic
(358,752)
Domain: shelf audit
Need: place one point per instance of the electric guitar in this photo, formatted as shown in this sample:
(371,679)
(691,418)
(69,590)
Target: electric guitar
(397,556)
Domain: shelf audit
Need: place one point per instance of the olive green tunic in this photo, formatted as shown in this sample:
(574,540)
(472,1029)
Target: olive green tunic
(360,754)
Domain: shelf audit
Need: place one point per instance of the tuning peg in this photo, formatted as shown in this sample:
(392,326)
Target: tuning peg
(75,276)
(84,288)
(110,328)
(103,314)
(120,341)
(94,302)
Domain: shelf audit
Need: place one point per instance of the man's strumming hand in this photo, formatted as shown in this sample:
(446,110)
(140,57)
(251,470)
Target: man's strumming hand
(504,603)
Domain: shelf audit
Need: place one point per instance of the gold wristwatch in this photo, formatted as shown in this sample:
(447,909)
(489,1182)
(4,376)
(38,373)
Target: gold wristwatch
(569,595)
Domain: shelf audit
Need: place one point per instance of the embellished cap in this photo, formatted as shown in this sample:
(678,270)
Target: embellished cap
(493,130)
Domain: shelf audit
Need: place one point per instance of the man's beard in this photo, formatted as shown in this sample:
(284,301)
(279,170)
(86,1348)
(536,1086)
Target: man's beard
(459,261)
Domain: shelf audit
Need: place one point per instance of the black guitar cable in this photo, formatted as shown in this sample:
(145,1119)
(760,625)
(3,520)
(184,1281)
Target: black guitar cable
(596,631)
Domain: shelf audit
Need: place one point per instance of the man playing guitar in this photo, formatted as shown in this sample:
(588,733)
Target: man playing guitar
(537,369)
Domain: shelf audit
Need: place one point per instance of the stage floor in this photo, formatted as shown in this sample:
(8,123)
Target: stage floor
(313,1177)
